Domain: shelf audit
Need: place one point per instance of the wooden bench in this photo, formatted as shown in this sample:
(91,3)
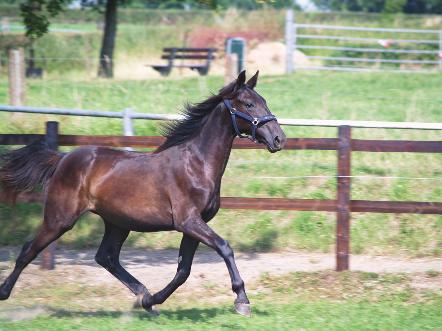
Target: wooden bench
(174,53)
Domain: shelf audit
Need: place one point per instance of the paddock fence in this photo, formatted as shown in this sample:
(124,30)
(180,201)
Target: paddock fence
(356,48)
(343,144)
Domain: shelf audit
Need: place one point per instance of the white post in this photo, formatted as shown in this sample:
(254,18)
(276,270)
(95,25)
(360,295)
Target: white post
(5,27)
(127,125)
(440,50)
(231,66)
(294,31)
(16,74)
(289,41)
(127,122)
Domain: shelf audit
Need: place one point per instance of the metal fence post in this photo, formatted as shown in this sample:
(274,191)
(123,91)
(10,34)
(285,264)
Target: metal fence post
(48,255)
(289,41)
(343,199)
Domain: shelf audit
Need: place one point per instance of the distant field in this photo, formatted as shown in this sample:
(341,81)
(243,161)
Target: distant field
(142,34)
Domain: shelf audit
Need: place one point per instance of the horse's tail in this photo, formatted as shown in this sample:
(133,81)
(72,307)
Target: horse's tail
(24,169)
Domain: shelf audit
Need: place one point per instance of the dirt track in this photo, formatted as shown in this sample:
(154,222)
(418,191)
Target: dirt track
(156,268)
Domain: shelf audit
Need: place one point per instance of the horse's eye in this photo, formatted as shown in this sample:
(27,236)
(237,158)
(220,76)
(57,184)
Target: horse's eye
(249,105)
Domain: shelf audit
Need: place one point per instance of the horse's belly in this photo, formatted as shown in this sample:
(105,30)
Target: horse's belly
(136,218)
(153,225)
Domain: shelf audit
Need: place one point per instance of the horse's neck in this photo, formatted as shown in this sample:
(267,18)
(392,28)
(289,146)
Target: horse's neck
(214,142)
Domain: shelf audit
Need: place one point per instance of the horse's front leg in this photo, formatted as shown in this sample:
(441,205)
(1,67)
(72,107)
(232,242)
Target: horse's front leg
(187,251)
(197,229)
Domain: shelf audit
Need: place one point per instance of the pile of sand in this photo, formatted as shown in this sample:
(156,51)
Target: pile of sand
(270,58)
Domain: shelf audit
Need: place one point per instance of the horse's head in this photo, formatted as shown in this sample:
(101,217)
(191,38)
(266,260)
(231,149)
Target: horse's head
(250,115)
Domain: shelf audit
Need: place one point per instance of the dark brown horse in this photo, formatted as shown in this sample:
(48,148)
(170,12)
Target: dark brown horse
(175,188)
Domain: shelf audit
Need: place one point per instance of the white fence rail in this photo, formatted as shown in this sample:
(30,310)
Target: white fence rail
(127,115)
(330,47)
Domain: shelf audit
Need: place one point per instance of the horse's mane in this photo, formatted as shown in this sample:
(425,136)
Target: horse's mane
(180,131)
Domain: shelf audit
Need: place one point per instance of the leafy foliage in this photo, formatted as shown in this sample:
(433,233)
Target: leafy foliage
(36,15)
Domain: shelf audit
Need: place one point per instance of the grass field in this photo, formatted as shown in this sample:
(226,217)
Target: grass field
(388,97)
(299,301)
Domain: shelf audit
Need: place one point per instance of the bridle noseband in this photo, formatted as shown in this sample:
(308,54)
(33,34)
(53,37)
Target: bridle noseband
(254,121)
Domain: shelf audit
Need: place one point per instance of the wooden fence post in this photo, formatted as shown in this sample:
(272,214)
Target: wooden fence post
(16,74)
(343,199)
(48,255)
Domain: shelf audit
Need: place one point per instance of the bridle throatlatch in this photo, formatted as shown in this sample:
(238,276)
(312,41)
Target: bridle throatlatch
(254,121)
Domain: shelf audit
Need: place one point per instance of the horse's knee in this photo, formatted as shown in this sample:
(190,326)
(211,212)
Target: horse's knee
(107,260)
(103,259)
(100,259)
(224,249)
(182,275)
(54,227)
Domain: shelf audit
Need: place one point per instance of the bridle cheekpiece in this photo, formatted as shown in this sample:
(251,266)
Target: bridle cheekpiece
(254,121)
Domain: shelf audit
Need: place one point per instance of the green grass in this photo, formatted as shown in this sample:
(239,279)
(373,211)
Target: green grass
(299,301)
(296,316)
(379,96)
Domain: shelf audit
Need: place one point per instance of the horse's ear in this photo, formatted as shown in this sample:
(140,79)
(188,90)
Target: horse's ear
(252,81)
(240,80)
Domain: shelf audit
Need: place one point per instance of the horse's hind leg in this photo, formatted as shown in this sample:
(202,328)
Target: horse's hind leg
(187,251)
(59,217)
(108,257)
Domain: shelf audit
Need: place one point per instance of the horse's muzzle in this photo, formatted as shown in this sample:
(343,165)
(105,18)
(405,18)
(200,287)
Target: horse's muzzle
(272,136)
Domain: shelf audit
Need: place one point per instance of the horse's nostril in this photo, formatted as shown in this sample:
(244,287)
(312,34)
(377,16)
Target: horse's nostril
(277,142)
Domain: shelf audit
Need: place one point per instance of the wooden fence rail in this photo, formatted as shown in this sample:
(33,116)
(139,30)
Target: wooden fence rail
(343,206)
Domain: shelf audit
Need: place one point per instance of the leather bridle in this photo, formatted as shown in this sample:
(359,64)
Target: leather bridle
(255,122)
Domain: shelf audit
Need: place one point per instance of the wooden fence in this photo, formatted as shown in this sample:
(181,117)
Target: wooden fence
(342,205)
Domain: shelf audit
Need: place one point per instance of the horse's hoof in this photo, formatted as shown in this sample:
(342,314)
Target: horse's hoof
(243,309)
(153,312)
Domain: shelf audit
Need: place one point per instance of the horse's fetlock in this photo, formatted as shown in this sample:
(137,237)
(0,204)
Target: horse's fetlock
(147,302)
(237,285)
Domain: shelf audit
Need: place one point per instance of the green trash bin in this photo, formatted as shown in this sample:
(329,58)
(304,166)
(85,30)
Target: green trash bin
(237,46)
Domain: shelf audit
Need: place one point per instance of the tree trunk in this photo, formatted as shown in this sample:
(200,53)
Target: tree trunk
(108,42)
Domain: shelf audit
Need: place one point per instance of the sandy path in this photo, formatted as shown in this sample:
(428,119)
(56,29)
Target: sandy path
(156,268)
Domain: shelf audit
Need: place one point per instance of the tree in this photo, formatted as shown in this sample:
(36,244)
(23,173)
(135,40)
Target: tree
(37,14)
(106,68)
